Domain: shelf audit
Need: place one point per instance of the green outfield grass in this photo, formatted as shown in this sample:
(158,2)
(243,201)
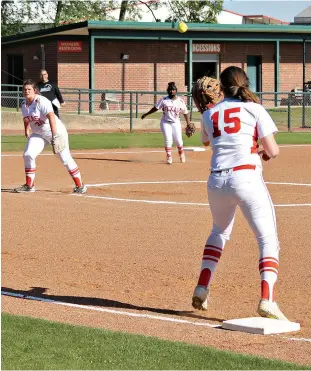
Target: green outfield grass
(32,344)
(134,140)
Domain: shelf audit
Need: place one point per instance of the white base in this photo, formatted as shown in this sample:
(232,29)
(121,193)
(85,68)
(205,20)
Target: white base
(195,149)
(260,325)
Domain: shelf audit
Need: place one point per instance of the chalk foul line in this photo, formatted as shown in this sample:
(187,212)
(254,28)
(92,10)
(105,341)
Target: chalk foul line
(128,314)
(111,311)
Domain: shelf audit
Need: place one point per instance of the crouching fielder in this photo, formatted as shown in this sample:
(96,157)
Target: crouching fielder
(233,127)
(46,128)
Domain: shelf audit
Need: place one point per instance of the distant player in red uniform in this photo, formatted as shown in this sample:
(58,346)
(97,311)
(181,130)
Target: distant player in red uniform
(172,106)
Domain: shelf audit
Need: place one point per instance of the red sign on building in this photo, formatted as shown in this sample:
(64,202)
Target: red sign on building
(70,46)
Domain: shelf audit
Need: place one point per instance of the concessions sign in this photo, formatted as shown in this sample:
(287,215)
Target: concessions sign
(205,48)
(70,46)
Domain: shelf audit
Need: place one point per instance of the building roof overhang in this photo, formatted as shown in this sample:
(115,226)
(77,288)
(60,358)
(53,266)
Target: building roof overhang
(165,30)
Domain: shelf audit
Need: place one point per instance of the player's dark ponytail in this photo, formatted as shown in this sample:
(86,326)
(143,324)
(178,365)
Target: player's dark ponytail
(171,86)
(235,84)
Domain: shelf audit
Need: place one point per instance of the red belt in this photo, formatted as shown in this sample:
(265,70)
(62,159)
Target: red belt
(236,168)
(244,167)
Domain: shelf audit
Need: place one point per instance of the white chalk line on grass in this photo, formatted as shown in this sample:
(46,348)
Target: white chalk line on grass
(128,314)
(133,152)
(111,311)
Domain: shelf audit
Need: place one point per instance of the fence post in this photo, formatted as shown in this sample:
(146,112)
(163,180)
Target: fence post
(131,112)
(289,112)
(303,109)
(17,103)
(191,109)
(136,113)
(79,102)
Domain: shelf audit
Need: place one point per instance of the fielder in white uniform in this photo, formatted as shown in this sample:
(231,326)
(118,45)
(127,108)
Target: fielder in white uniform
(41,124)
(233,127)
(170,124)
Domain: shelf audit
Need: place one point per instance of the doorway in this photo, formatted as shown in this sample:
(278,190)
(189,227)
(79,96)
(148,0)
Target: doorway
(202,65)
(254,64)
(200,69)
(15,70)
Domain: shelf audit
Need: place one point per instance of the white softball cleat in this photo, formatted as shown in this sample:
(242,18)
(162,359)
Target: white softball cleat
(169,160)
(270,309)
(80,190)
(182,158)
(200,298)
(24,188)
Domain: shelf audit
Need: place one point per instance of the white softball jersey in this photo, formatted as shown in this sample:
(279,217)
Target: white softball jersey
(171,109)
(233,128)
(36,115)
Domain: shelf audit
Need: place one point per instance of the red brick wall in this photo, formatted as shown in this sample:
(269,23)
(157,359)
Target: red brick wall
(236,54)
(151,65)
(73,72)
(31,67)
(291,66)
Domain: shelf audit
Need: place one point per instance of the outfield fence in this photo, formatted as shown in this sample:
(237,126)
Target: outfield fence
(289,109)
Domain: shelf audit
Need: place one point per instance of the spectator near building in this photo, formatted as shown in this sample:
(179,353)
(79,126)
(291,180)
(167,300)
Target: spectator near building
(51,91)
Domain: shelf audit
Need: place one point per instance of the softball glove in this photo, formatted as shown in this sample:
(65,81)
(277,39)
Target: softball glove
(206,91)
(190,129)
(58,143)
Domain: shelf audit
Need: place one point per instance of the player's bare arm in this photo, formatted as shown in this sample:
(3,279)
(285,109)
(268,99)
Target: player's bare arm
(27,127)
(153,109)
(187,118)
(271,149)
(51,117)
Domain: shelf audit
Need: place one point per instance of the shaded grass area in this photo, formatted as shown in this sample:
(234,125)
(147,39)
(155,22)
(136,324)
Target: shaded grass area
(133,140)
(44,345)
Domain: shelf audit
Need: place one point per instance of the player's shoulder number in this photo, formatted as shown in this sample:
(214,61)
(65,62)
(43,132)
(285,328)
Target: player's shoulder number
(231,121)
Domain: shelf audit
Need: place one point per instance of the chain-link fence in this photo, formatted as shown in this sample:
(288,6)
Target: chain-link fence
(289,110)
(11,96)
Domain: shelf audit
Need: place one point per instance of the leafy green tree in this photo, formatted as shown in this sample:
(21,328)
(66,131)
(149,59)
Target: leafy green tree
(194,11)
(12,16)
(131,10)
(77,11)
(16,14)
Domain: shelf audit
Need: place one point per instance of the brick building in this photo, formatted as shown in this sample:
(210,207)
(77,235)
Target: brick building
(145,56)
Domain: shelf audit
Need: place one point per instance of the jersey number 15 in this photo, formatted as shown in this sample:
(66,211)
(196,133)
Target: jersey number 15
(232,124)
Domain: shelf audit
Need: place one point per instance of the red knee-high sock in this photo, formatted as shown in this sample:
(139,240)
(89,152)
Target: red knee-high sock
(168,151)
(180,150)
(211,256)
(76,176)
(268,268)
(30,176)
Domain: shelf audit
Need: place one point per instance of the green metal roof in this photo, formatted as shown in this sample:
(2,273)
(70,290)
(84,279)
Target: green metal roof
(171,26)
(167,30)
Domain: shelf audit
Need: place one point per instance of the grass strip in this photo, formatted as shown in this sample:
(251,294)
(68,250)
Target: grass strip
(134,140)
(33,344)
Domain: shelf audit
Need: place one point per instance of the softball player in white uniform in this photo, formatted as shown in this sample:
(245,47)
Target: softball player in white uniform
(170,124)
(233,127)
(38,115)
